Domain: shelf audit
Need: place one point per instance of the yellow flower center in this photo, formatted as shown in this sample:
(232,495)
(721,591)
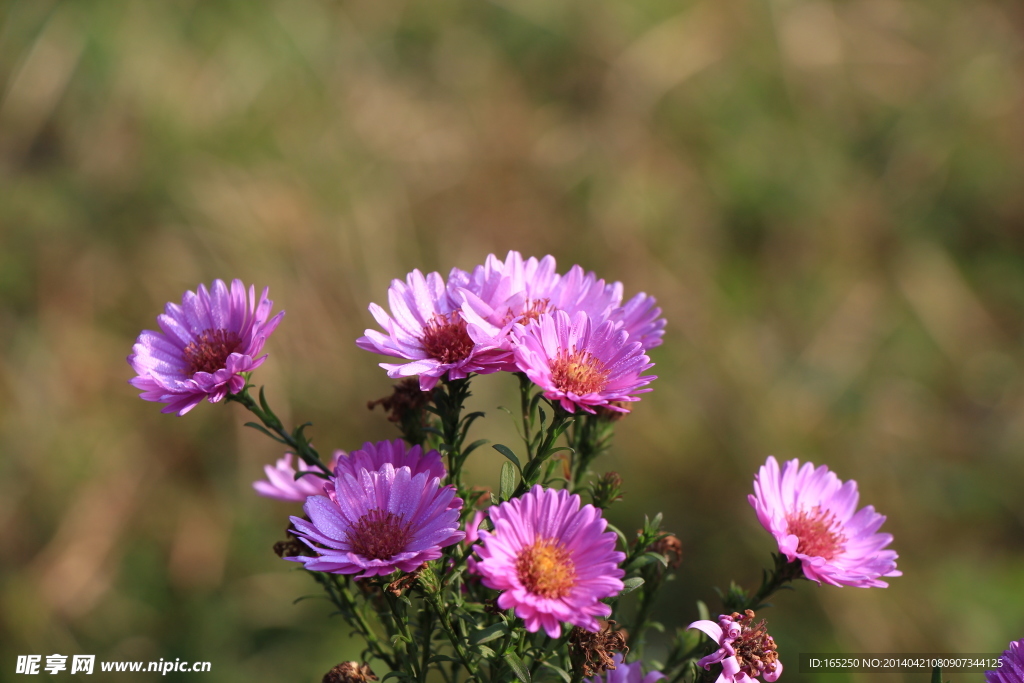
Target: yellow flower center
(546,569)
(579,373)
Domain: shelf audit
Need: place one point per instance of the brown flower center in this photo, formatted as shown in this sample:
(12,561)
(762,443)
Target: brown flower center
(445,338)
(755,649)
(819,532)
(210,350)
(579,373)
(379,535)
(546,568)
(533,309)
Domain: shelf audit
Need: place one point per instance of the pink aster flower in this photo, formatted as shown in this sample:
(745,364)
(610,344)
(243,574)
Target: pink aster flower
(203,347)
(814,517)
(641,318)
(499,294)
(1011,669)
(378,522)
(745,649)
(426,328)
(282,484)
(626,673)
(582,365)
(373,456)
(552,560)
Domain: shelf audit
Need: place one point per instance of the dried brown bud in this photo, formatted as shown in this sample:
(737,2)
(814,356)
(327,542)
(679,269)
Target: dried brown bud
(350,672)
(291,546)
(402,583)
(405,400)
(595,652)
(671,548)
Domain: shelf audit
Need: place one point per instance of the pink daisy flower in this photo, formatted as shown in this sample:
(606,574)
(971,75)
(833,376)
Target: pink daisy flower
(499,294)
(552,560)
(203,347)
(428,330)
(626,673)
(1012,668)
(282,484)
(745,649)
(378,522)
(640,317)
(580,365)
(373,456)
(814,517)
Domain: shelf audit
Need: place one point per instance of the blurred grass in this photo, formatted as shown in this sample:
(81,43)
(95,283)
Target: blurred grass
(824,196)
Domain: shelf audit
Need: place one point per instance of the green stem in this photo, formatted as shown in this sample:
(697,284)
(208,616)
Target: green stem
(456,640)
(411,650)
(295,440)
(531,473)
(783,573)
(342,598)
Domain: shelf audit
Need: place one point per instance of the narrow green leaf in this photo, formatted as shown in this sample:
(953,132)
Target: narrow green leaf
(702,610)
(517,666)
(937,675)
(507,452)
(508,481)
(473,446)
(261,429)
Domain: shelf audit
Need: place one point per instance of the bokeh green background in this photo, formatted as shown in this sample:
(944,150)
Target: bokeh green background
(827,198)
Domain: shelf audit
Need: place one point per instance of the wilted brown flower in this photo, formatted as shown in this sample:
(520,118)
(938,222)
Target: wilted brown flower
(595,652)
(350,672)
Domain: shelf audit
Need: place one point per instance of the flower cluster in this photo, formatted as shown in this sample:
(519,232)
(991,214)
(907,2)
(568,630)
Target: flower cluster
(571,334)
(537,559)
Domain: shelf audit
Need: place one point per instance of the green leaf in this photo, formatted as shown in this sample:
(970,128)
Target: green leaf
(488,634)
(644,560)
(473,446)
(436,659)
(937,675)
(702,610)
(507,452)
(561,672)
(508,481)
(517,666)
(396,674)
(631,585)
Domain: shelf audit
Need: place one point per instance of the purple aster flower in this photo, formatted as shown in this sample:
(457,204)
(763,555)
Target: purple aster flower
(378,522)
(1011,668)
(429,331)
(203,347)
(581,365)
(373,456)
(626,673)
(499,294)
(552,560)
(814,517)
(282,484)
(640,317)
(745,649)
